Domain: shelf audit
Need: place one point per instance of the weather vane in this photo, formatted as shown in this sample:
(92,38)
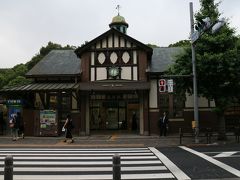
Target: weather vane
(118,8)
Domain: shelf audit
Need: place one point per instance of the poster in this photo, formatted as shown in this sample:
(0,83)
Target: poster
(48,123)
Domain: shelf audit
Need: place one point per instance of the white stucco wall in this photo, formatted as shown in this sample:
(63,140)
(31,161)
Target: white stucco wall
(153,94)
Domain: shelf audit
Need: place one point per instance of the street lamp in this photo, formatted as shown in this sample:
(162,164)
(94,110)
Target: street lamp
(202,26)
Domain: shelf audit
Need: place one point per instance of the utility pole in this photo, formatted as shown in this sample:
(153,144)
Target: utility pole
(195,94)
(204,25)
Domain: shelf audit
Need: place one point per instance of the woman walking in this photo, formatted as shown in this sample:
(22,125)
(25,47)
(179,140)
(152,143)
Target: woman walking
(68,126)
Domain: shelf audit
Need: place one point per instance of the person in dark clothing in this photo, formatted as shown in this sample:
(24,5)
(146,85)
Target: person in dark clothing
(1,122)
(134,122)
(68,125)
(20,124)
(163,124)
(14,125)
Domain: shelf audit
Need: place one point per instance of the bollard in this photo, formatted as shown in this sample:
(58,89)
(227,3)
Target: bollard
(180,136)
(237,133)
(8,169)
(208,135)
(116,167)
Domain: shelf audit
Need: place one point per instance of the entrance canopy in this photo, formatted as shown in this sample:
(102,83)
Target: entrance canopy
(84,86)
(114,85)
(37,87)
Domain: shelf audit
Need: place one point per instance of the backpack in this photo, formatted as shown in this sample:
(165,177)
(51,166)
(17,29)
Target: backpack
(12,122)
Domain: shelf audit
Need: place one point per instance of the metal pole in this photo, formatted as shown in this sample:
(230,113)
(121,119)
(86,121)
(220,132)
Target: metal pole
(180,136)
(116,167)
(8,169)
(195,95)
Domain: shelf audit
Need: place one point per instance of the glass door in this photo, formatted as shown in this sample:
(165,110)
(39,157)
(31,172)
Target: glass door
(112,118)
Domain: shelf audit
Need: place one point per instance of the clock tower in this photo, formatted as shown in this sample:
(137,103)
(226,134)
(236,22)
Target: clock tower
(119,23)
(114,83)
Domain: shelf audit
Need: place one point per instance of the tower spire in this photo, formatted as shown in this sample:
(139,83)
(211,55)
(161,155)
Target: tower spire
(118,22)
(118,9)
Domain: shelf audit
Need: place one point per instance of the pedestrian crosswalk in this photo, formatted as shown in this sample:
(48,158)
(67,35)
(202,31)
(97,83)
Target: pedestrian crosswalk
(77,164)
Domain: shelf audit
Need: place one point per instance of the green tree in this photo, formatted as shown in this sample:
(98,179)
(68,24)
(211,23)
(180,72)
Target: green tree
(19,80)
(9,74)
(152,45)
(15,76)
(217,64)
(2,80)
(20,69)
(182,43)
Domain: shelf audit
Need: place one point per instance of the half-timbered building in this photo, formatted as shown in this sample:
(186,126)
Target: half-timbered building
(106,85)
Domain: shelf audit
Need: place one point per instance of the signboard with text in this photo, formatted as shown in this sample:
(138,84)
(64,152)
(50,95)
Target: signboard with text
(48,123)
(165,85)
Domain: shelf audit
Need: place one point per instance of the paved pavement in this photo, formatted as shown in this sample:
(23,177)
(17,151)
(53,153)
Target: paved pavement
(114,140)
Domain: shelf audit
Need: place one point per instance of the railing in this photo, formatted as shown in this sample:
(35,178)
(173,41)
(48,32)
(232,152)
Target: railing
(8,168)
(208,133)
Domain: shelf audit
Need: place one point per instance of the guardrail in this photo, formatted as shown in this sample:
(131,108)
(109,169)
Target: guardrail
(208,133)
(116,167)
(8,167)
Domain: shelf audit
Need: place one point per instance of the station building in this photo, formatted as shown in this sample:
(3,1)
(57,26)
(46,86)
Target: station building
(103,85)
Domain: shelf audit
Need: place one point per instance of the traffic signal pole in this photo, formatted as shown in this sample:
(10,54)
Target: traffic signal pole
(195,94)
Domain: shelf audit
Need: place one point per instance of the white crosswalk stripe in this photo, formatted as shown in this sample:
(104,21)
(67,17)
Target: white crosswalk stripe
(226,154)
(77,164)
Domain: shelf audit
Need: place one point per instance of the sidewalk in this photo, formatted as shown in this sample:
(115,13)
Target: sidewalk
(95,141)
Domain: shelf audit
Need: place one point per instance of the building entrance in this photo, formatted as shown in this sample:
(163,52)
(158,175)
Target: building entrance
(112,112)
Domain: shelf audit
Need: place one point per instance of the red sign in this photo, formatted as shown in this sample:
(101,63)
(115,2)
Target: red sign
(162,85)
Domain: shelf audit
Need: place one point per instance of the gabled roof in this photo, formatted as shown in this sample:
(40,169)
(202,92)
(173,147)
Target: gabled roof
(79,51)
(163,57)
(57,62)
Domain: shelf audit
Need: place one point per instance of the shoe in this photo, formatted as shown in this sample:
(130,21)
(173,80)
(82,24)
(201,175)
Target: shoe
(69,141)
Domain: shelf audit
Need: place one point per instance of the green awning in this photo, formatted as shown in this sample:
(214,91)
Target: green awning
(37,87)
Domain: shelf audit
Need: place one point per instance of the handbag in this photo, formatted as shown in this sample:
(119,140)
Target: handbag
(11,125)
(63,129)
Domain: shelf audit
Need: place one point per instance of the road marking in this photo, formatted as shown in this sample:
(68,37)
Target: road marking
(81,162)
(214,161)
(85,169)
(178,173)
(84,164)
(93,177)
(71,157)
(225,154)
(217,152)
(75,154)
(113,137)
(71,149)
(68,151)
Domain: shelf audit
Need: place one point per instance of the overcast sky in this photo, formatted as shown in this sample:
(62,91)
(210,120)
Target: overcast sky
(27,25)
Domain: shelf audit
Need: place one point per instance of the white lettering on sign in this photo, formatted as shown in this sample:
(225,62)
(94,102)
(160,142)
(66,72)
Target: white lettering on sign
(170,85)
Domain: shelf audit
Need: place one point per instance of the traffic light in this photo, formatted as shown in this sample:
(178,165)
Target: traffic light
(203,24)
(162,85)
(218,25)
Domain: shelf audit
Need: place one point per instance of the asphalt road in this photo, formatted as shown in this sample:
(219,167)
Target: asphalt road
(206,162)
